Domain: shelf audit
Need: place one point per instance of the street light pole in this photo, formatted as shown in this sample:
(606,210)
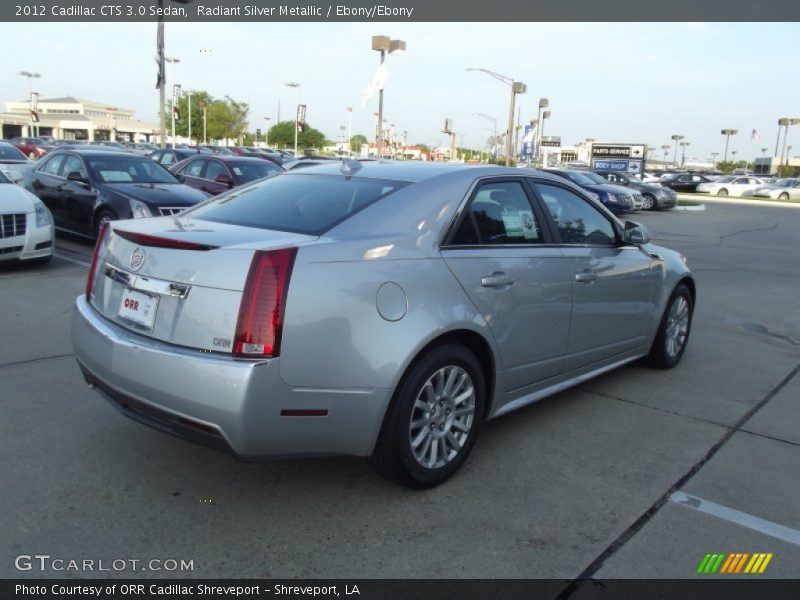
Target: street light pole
(296,86)
(683,153)
(175,91)
(728,133)
(677,138)
(266,131)
(189,113)
(29,75)
(517,87)
(665,148)
(543,103)
(349,127)
(383,44)
(545,116)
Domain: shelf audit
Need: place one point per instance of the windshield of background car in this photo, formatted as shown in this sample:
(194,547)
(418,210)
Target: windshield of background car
(250,172)
(785,183)
(582,179)
(725,179)
(11,152)
(309,204)
(594,178)
(124,169)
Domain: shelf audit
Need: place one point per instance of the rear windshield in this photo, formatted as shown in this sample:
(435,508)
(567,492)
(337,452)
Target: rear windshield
(11,152)
(309,204)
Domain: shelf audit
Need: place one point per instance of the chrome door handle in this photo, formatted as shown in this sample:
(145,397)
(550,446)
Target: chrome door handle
(586,277)
(496,280)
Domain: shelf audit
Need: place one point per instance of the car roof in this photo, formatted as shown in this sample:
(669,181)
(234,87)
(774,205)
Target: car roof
(406,170)
(93,150)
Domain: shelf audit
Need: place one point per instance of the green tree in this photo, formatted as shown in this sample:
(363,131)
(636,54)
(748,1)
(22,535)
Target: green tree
(282,135)
(357,141)
(182,125)
(226,119)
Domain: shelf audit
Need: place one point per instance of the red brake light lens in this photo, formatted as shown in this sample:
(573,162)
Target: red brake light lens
(99,248)
(260,324)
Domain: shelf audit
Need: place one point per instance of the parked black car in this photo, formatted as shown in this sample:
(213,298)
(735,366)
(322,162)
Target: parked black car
(684,182)
(654,197)
(85,187)
(615,198)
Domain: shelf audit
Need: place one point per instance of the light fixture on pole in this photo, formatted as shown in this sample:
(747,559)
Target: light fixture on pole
(733,156)
(714,156)
(383,44)
(784,122)
(296,86)
(677,138)
(31,108)
(189,114)
(683,153)
(728,133)
(266,130)
(517,87)
(543,103)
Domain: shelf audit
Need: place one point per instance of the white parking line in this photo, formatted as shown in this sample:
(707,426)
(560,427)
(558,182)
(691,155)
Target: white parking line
(79,262)
(781,532)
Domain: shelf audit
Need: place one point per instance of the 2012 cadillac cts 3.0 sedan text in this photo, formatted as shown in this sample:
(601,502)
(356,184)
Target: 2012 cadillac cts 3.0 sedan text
(374,309)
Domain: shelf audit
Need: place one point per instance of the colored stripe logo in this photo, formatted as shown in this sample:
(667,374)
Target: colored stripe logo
(737,562)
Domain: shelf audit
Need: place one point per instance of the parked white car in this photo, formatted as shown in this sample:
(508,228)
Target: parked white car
(731,186)
(783,189)
(26,226)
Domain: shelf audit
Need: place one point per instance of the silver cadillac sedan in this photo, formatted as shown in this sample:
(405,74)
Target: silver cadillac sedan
(377,309)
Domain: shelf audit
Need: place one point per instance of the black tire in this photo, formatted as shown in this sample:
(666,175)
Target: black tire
(100,218)
(661,356)
(394,456)
(783,196)
(723,192)
(652,200)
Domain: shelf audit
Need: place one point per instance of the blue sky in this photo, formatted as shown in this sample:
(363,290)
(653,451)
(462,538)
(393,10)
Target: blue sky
(639,82)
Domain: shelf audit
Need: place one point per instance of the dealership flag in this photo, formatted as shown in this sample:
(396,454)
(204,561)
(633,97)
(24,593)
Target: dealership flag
(755,137)
(378,82)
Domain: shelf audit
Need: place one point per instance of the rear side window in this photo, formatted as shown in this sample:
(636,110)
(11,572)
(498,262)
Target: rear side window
(309,204)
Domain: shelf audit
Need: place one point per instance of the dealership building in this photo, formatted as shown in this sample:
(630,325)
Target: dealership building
(73,118)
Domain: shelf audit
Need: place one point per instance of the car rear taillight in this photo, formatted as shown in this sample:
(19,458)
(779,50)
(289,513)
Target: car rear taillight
(99,248)
(260,323)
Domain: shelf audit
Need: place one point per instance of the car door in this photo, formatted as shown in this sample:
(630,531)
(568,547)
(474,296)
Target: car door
(193,173)
(613,285)
(520,283)
(46,182)
(216,168)
(78,199)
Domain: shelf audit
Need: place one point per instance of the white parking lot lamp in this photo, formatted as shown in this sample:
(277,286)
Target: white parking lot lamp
(676,138)
(728,133)
(517,87)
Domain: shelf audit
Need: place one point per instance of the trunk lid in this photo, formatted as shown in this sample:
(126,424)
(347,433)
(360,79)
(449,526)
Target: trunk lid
(187,295)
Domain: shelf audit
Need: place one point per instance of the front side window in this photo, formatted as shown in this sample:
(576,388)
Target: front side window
(73,164)
(52,166)
(194,168)
(576,220)
(499,213)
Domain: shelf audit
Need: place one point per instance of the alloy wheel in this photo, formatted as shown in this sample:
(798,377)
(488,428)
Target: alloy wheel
(442,417)
(677,326)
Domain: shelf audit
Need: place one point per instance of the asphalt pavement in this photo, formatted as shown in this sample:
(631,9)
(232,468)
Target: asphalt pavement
(637,474)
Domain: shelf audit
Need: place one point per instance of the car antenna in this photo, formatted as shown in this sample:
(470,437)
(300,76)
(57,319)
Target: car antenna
(350,166)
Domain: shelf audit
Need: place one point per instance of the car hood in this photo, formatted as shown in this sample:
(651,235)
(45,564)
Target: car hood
(167,194)
(14,199)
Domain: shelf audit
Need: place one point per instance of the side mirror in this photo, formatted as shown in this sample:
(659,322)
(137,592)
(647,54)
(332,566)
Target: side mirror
(224,180)
(178,176)
(76,177)
(635,234)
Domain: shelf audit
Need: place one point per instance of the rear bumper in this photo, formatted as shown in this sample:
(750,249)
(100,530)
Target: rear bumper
(225,403)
